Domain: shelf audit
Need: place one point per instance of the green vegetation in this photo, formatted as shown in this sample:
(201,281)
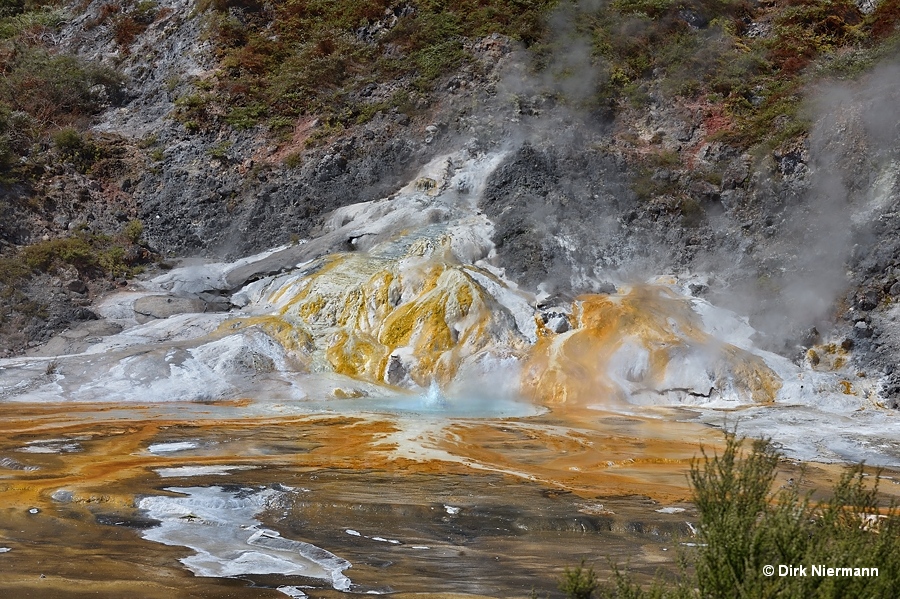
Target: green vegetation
(220,150)
(14,19)
(646,182)
(12,271)
(47,99)
(745,525)
(128,20)
(754,58)
(75,251)
(133,231)
(53,88)
(579,582)
(131,24)
(312,57)
(44,96)
(293,160)
(76,148)
(90,253)
(307,56)
(192,109)
(93,255)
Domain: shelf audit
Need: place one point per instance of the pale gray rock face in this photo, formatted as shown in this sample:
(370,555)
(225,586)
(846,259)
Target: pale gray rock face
(162,306)
(77,338)
(867,7)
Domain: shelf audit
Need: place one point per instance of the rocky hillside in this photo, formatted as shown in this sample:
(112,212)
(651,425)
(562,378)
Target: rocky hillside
(751,146)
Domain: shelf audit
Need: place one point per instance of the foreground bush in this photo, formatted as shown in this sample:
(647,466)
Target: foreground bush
(744,525)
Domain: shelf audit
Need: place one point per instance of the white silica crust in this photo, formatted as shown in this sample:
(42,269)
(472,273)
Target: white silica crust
(162,448)
(220,527)
(186,471)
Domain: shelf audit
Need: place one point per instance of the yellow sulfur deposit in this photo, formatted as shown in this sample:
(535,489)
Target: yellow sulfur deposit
(421,311)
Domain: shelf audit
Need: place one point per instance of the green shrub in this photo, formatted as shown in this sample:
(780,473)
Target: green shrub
(579,582)
(645,181)
(402,101)
(133,231)
(148,141)
(640,43)
(435,60)
(111,261)
(91,254)
(650,8)
(146,11)
(68,141)
(365,112)
(245,117)
(42,92)
(692,213)
(6,150)
(12,271)
(15,23)
(293,160)
(220,150)
(54,87)
(73,147)
(194,110)
(745,525)
(75,251)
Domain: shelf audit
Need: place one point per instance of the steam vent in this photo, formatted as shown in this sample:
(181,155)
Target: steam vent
(329,299)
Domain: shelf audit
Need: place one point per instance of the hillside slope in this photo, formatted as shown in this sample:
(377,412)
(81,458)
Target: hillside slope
(750,147)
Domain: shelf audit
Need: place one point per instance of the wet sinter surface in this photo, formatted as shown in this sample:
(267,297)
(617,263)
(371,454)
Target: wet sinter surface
(410,503)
